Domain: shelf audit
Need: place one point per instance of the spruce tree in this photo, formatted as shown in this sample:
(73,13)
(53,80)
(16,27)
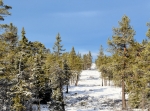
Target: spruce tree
(8,52)
(75,64)
(58,49)
(89,57)
(72,57)
(67,73)
(57,77)
(38,81)
(57,82)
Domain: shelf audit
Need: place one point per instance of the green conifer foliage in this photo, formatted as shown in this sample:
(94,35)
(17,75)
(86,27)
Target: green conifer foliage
(38,80)
(148,32)
(57,76)
(99,62)
(89,57)
(58,49)
(75,64)
(72,57)
(57,81)
(20,95)
(4,10)
(121,40)
(67,73)
(139,83)
(8,52)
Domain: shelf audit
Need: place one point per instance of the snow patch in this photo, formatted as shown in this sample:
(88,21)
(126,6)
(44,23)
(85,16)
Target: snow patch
(89,95)
(93,66)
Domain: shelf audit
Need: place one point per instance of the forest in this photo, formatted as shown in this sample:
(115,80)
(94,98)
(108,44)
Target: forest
(128,66)
(31,74)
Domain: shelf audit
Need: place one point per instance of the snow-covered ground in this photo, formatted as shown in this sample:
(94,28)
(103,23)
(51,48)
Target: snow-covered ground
(89,95)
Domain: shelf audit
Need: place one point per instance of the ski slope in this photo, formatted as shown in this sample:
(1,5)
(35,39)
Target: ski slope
(89,95)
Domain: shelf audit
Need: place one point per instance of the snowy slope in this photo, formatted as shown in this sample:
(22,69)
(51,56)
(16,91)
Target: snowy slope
(89,95)
(93,66)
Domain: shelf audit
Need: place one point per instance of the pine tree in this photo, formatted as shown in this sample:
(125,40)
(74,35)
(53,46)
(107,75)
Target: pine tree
(8,53)
(78,68)
(57,82)
(99,61)
(4,10)
(67,73)
(10,34)
(20,93)
(57,77)
(72,57)
(58,49)
(89,57)
(85,62)
(122,38)
(38,81)
(75,64)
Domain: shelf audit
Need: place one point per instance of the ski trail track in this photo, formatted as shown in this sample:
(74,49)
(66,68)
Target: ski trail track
(89,95)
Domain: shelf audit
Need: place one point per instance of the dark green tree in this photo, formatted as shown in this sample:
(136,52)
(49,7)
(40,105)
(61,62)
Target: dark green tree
(121,40)
(57,82)
(67,73)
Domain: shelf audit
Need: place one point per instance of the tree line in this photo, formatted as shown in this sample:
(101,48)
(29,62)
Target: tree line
(31,74)
(128,66)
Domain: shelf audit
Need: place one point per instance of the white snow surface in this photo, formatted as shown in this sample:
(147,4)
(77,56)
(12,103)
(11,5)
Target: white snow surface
(93,66)
(89,95)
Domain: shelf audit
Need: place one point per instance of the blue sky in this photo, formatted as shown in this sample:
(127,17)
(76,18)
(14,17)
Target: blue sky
(84,24)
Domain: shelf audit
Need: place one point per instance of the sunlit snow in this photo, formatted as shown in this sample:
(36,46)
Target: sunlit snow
(89,95)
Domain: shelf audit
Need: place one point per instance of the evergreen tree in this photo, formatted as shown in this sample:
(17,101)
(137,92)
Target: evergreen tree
(89,57)
(99,61)
(67,73)
(85,62)
(4,10)
(8,53)
(78,68)
(57,77)
(122,38)
(57,82)
(38,81)
(58,49)
(72,57)
(10,34)
(148,32)
(75,64)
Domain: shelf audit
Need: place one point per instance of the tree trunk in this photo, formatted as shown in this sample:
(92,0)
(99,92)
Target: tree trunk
(123,96)
(62,97)
(102,81)
(77,80)
(67,88)
(123,84)
(105,82)
(109,81)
